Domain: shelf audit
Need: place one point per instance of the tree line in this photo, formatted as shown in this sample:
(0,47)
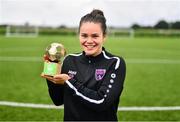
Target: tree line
(162,24)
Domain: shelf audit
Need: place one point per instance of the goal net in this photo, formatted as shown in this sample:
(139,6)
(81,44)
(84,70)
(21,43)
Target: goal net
(21,31)
(121,32)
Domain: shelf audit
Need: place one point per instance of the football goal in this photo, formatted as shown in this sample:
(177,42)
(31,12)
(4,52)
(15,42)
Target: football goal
(121,32)
(22,31)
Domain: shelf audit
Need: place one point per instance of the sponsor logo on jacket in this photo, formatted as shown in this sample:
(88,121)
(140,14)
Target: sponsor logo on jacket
(72,73)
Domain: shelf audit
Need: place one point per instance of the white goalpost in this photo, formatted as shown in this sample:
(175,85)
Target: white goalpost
(121,32)
(22,31)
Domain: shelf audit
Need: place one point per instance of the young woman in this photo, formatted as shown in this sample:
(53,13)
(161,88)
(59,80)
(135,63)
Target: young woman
(92,81)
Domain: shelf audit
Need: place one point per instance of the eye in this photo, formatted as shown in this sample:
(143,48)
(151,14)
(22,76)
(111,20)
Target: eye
(95,35)
(84,35)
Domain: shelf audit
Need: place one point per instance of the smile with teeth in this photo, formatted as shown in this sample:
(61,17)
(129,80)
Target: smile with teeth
(90,46)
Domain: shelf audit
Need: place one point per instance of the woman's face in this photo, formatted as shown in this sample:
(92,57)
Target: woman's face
(91,38)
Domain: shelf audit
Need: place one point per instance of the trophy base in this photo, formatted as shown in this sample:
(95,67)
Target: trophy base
(51,68)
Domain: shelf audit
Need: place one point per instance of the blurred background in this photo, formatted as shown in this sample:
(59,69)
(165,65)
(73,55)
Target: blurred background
(145,32)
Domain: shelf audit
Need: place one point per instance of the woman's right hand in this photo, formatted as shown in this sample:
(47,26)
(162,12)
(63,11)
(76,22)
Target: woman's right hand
(57,79)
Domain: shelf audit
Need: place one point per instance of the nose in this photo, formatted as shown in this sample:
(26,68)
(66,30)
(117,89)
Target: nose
(89,40)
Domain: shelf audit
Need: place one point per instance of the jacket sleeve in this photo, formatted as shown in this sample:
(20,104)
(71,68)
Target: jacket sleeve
(56,92)
(107,94)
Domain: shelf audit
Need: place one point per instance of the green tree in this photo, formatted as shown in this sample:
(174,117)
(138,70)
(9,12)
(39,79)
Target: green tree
(162,25)
(175,25)
(135,26)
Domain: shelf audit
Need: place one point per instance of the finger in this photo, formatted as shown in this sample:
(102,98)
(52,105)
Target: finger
(47,77)
(59,76)
(51,79)
(58,81)
(62,76)
(43,76)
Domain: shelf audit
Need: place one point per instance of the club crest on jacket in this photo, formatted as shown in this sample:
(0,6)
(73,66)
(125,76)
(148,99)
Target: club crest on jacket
(99,74)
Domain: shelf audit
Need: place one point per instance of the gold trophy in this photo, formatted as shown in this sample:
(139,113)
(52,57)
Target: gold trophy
(54,55)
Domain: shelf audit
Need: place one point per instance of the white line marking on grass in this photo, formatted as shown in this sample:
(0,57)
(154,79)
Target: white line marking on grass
(22,59)
(148,108)
(20,49)
(29,105)
(153,61)
(45,106)
(149,50)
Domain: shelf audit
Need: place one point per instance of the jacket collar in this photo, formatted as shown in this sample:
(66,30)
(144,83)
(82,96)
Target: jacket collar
(92,59)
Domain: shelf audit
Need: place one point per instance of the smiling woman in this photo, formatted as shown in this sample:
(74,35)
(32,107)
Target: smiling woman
(90,82)
(92,32)
(91,38)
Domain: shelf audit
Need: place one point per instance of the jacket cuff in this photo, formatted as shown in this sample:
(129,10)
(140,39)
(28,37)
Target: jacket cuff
(51,84)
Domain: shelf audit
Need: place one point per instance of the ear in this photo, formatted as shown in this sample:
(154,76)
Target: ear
(104,38)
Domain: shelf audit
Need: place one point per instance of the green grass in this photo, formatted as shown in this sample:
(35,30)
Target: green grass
(29,114)
(146,84)
(149,116)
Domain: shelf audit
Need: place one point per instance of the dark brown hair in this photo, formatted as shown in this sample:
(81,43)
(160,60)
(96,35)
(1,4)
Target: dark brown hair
(96,16)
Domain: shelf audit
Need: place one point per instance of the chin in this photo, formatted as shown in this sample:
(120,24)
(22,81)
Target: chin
(89,53)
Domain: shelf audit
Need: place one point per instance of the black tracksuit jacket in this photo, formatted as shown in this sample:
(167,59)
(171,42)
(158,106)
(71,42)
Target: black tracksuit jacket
(94,89)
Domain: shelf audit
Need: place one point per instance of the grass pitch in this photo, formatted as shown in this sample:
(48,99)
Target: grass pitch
(153,68)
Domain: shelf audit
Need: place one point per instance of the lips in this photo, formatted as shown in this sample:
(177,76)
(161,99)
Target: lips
(89,46)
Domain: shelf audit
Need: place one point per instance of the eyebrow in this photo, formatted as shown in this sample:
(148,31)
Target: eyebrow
(95,34)
(83,33)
